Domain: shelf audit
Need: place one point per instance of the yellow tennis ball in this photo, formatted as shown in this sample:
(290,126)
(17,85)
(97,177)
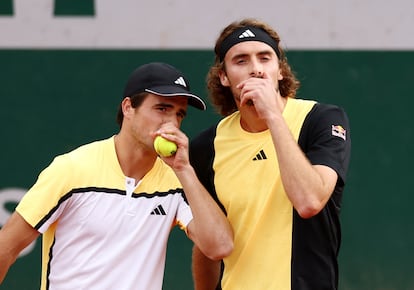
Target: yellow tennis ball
(164,147)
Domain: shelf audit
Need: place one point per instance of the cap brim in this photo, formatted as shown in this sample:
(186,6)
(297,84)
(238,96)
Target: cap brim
(173,91)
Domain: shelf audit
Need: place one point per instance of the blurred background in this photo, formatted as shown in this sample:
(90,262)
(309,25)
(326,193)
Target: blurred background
(64,63)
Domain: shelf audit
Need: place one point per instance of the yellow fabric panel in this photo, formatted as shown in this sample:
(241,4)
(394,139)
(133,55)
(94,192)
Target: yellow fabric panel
(295,113)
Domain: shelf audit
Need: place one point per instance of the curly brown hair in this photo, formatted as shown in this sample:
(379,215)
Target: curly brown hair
(222,97)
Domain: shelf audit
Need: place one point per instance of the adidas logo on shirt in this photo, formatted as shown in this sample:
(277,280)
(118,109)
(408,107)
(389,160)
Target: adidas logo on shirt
(159,210)
(260,156)
(247,33)
(180,81)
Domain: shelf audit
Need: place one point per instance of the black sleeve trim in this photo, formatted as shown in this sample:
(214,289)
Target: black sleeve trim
(202,153)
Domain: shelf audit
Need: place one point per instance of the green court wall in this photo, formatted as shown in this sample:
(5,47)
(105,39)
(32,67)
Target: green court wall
(52,101)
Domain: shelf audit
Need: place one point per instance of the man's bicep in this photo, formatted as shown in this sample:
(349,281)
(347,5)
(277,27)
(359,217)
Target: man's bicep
(17,234)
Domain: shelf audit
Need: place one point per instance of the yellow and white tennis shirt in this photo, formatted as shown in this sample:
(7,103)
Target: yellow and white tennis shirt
(100,230)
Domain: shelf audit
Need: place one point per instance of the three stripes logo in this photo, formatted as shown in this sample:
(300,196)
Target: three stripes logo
(260,156)
(247,33)
(159,210)
(180,81)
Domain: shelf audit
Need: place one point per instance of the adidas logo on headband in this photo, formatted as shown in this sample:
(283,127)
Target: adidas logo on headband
(247,33)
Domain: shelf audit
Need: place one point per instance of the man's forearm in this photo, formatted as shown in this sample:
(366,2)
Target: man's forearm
(206,272)
(210,230)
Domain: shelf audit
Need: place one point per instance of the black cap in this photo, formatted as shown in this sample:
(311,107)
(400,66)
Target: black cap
(161,79)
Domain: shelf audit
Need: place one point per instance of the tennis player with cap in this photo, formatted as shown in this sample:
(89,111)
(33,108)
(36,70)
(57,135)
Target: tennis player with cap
(106,209)
(275,164)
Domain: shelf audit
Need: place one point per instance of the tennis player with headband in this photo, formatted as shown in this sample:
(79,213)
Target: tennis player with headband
(275,164)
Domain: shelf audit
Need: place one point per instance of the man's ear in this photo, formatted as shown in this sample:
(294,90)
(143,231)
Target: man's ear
(280,75)
(126,106)
(223,79)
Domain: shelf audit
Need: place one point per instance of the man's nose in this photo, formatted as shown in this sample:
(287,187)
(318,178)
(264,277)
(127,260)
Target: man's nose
(256,70)
(173,119)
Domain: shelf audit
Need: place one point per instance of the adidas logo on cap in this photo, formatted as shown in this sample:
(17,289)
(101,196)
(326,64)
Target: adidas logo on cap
(181,81)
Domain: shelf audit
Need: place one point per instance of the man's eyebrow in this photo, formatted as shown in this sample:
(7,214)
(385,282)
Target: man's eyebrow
(262,52)
(164,105)
(266,52)
(168,105)
(239,55)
